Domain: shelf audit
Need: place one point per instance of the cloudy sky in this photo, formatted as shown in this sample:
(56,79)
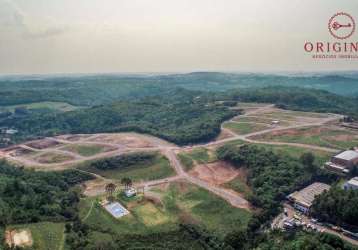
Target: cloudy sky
(89,36)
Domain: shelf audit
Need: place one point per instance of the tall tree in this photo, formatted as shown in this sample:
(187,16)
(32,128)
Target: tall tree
(127,182)
(110,188)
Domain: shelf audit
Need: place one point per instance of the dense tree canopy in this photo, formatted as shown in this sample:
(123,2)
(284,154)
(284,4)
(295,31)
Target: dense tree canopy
(272,176)
(123,161)
(337,206)
(302,240)
(28,196)
(181,117)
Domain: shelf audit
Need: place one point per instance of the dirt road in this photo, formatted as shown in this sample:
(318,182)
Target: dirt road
(167,149)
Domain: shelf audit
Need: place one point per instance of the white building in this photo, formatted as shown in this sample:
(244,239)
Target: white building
(351,184)
(343,162)
(302,200)
(130,192)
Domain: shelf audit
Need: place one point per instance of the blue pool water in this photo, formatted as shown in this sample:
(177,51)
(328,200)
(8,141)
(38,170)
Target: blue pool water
(116,209)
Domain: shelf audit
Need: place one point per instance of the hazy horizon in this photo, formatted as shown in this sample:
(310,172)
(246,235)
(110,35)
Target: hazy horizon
(166,36)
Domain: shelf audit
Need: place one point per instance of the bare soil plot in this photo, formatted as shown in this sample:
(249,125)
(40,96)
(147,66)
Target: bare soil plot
(215,173)
(19,151)
(53,157)
(73,137)
(43,144)
(127,140)
(19,238)
(223,135)
(249,107)
(319,136)
(88,149)
(94,187)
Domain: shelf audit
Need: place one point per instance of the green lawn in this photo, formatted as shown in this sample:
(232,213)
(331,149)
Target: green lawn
(84,206)
(186,161)
(158,168)
(181,202)
(259,119)
(250,105)
(210,210)
(85,150)
(293,115)
(145,217)
(239,185)
(46,235)
(244,127)
(321,156)
(196,156)
(326,138)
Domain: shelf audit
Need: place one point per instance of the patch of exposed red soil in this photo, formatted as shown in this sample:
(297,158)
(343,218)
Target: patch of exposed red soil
(216,173)
(21,151)
(224,134)
(94,187)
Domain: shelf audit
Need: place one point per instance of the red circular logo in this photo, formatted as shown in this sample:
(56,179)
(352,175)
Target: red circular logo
(341,25)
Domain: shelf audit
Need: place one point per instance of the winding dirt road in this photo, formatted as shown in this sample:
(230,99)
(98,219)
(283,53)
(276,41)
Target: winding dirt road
(169,151)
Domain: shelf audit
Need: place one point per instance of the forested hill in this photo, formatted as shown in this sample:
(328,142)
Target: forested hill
(179,116)
(298,99)
(93,90)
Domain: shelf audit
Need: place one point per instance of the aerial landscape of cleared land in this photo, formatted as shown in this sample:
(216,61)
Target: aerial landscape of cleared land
(210,181)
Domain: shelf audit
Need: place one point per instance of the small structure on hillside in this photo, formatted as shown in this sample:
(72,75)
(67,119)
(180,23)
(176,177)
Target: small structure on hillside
(10,131)
(130,192)
(302,200)
(343,162)
(275,122)
(351,184)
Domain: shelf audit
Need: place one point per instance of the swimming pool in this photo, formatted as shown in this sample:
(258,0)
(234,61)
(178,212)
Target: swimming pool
(116,209)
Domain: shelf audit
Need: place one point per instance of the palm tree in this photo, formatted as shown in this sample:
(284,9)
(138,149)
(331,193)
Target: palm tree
(127,182)
(110,188)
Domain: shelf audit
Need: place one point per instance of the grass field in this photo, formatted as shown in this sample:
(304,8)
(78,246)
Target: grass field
(296,152)
(182,202)
(86,150)
(157,169)
(324,137)
(250,105)
(245,127)
(186,161)
(205,208)
(256,119)
(60,106)
(196,156)
(239,185)
(145,217)
(46,235)
(292,115)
